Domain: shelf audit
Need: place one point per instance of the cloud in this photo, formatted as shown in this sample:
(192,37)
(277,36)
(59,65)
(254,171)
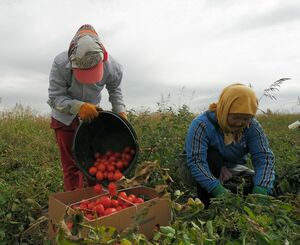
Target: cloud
(277,15)
(164,46)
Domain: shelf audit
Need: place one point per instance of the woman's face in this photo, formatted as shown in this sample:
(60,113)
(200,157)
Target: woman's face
(238,121)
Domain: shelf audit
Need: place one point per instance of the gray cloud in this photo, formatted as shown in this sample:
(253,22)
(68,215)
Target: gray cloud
(164,46)
(270,17)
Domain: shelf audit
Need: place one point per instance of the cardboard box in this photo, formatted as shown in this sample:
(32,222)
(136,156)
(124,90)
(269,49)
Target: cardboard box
(158,210)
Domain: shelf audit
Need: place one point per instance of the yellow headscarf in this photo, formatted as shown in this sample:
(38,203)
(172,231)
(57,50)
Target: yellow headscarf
(235,98)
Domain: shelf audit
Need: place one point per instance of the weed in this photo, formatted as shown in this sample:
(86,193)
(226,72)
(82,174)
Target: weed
(30,165)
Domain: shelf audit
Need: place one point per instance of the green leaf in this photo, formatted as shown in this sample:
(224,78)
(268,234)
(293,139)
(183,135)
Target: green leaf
(61,240)
(156,236)
(125,242)
(284,186)
(167,230)
(209,227)
(14,207)
(249,212)
(195,226)
(208,242)
(2,234)
(263,239)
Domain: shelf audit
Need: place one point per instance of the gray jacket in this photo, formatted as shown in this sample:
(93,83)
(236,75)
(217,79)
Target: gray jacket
(66,94)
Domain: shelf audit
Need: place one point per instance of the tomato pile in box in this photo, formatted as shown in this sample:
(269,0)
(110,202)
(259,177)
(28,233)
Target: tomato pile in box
(106,204)
(110,166)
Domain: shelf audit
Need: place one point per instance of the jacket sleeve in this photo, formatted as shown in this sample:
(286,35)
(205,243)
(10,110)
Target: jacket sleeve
(262,157)
(113,87)
(196,147)
(58,92)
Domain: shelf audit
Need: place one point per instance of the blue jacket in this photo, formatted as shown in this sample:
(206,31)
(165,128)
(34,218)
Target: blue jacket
(205,133)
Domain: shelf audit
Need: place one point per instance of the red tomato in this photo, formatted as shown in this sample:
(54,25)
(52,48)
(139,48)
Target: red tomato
(108,153)
(109,211)
(127,204)
(132,196)
(139,200)
(99,176)
(94,208)
(126,163)
(114,203)
(110,176)
(118,175)
(91,205)
(123,156)
(121,202)
(132,151)
(117,155)
(123,194)
(126,157)
(89,216)
(75,206)
(130,199)
(105,173)
(100,209)
(101,167)
(113,193)
(119,165)
(69,225)
(98,188)
(111,168)
(105,201)
(127,149)
(92,170)
(83,206)
(112,188)
(112,159)
(102,158)
(85,201)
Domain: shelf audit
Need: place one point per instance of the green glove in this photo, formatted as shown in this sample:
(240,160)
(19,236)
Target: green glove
(219,190)
(260,190)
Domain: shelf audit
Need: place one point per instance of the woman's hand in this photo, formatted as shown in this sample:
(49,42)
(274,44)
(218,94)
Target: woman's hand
(225,174)
(88,112)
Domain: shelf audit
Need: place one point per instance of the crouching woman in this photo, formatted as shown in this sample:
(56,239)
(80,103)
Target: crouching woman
(219,140)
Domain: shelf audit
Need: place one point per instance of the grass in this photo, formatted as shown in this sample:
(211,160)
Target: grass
(30,162)
(30,170)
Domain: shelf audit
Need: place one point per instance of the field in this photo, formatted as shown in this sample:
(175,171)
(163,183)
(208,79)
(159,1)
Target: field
(30,171)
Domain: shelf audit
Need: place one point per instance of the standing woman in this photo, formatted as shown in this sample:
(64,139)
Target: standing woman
(76,80)
(219,140)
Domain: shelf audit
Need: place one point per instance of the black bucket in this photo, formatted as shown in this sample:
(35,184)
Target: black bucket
(107,132)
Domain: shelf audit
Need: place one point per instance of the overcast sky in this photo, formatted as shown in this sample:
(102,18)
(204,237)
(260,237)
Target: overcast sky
(184,51)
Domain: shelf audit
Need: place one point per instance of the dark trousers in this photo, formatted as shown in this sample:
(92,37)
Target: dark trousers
(215,163)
